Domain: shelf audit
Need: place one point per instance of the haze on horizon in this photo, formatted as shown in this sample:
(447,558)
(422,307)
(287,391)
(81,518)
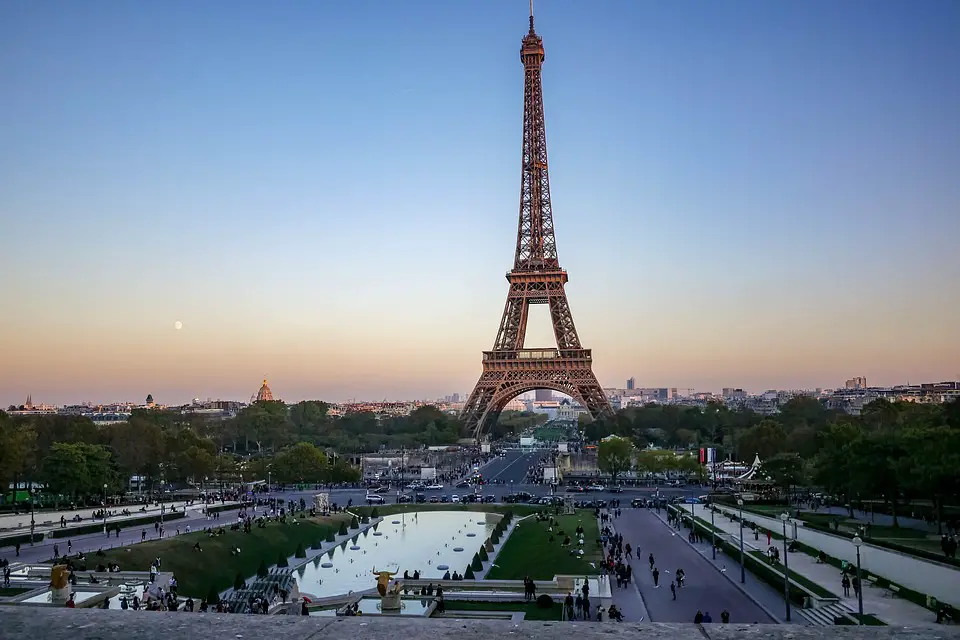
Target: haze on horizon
(751,194)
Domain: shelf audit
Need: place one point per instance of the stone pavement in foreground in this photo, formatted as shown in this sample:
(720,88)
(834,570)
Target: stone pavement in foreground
(880,602)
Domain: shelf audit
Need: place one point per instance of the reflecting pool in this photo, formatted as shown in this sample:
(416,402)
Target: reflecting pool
(421,541)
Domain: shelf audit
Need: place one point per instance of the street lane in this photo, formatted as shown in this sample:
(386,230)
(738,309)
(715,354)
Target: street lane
(704,589)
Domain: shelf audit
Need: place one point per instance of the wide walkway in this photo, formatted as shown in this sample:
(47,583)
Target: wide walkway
(879,602)
(46,520)
(90,543)
(705,589)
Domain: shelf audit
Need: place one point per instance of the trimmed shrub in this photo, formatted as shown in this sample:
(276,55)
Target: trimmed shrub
(282,560)
(262,570)
(477,564)
(354,524)
(301,552)
(365,519)
(375,513)
(544,601)
(343,529)
(468,574)
(483,554)
(239,583)
(331,537)
(494,538)
(213,597)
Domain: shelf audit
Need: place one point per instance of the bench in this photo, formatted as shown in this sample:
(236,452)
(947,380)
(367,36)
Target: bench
(894,589)
(872,579)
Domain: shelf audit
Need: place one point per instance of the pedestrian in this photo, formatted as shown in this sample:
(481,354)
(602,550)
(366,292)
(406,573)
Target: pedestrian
(673,589)
(56,551)
(707,618)
(69,547)
(725,616)
(651,561)
(845,583)
(143,535)
(629,550)
(656,578)
(579,605)
(17,547)
(698,619)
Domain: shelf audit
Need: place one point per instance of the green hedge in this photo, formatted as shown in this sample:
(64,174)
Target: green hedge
(354,524)
(215,508)
(22,539)
(69,532)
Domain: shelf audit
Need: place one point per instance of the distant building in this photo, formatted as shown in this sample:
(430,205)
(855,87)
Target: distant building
(730,393)
(543,395)
(150,404)
(859,382)
(631,382)
(264,395)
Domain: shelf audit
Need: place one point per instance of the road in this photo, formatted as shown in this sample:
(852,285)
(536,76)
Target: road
(704,589)
(510,468)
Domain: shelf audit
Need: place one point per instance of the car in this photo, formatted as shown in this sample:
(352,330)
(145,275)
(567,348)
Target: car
(434,487)
(596,487)
(489,499)
(638,502)
(374,498)
(463,484)
(421,498)
(454,498)
(574,489)
(404,497)
(434,499)
(615,489)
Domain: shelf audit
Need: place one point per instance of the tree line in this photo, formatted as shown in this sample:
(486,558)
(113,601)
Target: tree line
(891,452)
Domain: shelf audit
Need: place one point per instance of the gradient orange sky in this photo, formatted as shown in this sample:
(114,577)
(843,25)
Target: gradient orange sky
(751,194)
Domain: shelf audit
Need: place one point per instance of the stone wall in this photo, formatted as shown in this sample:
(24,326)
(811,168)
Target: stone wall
(92,624)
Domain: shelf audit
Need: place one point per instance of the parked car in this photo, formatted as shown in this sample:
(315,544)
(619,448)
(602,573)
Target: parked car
(596,487)
(434,487)
(404,497)
(421,498)
(374,498)
(434,499)
(489,498)
(454,498)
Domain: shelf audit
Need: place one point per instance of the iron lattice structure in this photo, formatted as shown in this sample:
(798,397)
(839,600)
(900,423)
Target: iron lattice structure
(510,369)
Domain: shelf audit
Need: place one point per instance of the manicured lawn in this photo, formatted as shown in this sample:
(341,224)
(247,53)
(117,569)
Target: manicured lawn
(531,610)
(198,571)
(529,552)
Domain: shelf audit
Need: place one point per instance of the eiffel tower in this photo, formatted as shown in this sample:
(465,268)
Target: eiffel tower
(536,278)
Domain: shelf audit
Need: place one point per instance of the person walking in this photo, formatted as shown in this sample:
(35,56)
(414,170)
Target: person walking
(845,583)
(651,561)
(673,589)
(629,550)
(656,578)
(725,617)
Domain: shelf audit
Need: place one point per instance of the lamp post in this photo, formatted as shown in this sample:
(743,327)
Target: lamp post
(743,570)
(857,542)
(105,509)
(786,567)
(713,535)
(33,524)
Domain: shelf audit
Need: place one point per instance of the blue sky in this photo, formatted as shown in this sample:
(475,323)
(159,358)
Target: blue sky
(745,193)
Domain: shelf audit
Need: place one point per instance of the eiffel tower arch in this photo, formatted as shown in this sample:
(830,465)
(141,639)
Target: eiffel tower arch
(510,369)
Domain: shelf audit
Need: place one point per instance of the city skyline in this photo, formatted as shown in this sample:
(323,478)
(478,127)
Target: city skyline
(753,195)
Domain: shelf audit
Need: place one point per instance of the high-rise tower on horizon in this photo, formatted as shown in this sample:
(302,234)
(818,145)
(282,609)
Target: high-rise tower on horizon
(536,278)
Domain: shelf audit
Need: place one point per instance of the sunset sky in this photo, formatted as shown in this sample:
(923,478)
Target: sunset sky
(754,194)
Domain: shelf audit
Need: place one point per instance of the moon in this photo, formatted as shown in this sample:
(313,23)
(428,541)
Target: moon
(178,325)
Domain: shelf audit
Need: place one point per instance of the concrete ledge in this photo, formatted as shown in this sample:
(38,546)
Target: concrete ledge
(81,624)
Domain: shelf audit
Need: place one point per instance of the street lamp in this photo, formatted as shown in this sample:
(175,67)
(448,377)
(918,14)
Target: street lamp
(33,524)
(105,508)
(743,570)
(713,534)
(857,542)
(784,517)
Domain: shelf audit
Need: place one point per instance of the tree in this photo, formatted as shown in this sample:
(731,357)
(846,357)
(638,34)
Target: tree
(785,470)
(302,462)
(615,456)
(17,442)
(765,440)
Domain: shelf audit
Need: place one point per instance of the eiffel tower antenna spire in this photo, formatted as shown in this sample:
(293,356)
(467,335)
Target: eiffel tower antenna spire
(510,368)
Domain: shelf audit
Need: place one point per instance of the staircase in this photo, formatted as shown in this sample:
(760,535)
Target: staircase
(823,615)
